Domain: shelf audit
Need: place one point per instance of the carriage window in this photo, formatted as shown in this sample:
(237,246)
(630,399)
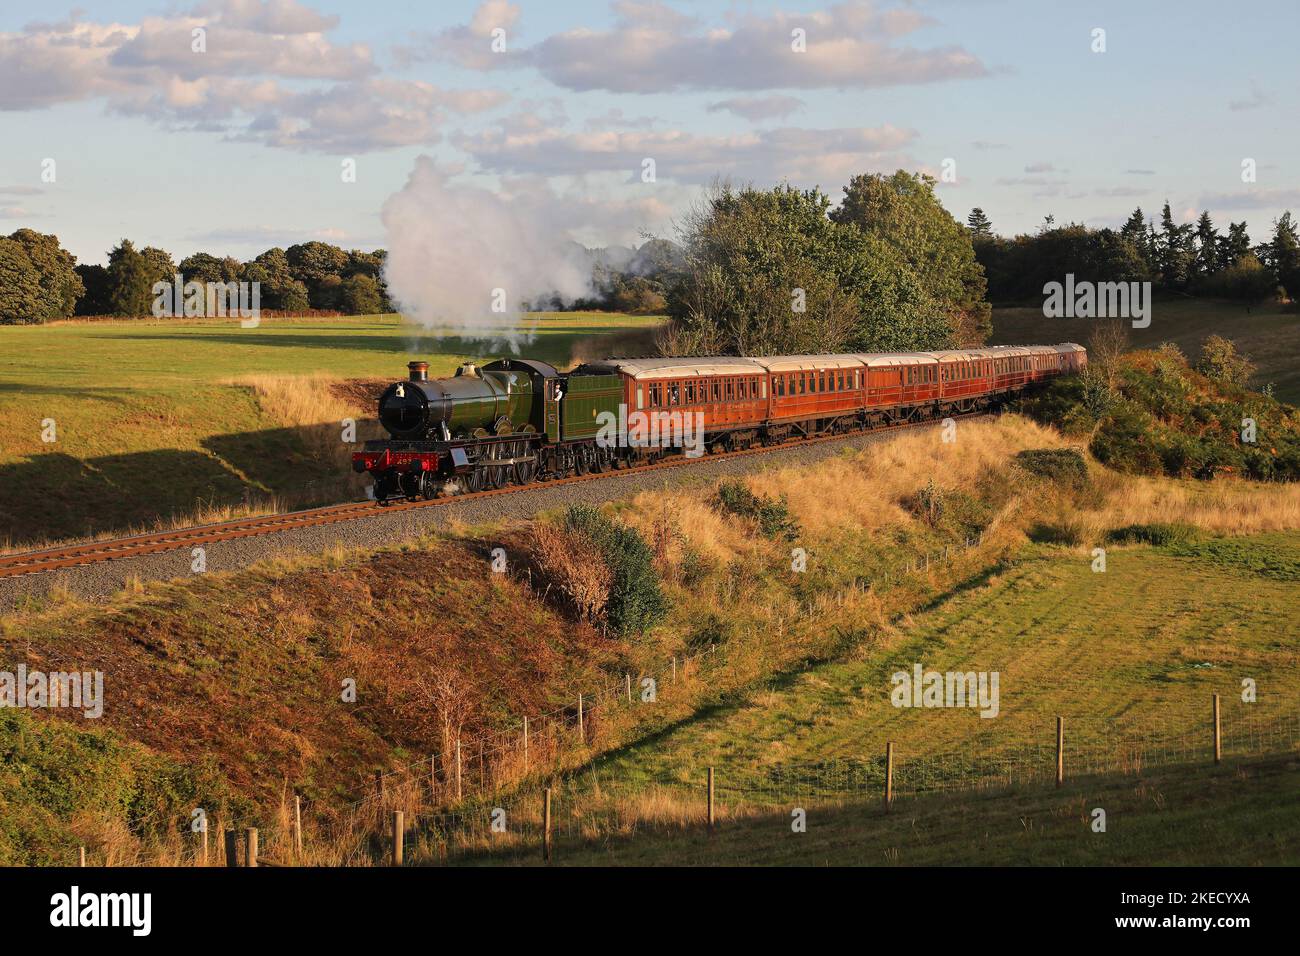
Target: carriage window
(656,395)
(690,393)
(778,385)
(640,396)
(731,389)
(674,394)
(762,388)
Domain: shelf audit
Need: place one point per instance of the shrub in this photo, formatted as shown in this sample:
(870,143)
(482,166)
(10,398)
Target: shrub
(1158,535)
(636,600)
(1069,534)
(1062,465)
(771,514)
(1221,362)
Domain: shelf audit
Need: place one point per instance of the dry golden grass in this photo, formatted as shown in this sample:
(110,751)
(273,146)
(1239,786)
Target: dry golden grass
(295,400)
(864,490)
(571,565)
(1223,507)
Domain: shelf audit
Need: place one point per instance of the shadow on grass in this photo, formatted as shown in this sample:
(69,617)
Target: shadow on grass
(54,496)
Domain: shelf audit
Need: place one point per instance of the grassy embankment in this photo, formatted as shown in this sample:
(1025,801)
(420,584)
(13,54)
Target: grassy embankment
(225,692)
(161,422)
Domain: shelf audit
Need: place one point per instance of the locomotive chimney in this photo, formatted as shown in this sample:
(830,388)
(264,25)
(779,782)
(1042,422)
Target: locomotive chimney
(419,371)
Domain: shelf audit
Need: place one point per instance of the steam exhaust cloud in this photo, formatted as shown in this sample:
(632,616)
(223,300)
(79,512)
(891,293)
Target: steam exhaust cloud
(463,260)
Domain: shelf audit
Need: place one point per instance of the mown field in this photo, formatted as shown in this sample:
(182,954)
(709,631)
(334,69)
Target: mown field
(1129,657)
(1239,814)
(1269,334)
(168,421)
(1135,651)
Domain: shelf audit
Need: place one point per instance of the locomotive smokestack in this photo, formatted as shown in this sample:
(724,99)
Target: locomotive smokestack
(419,371)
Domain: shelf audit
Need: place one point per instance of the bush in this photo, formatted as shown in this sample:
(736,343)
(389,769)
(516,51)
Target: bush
(1069,534)
(1157,535)
(772,515)
(1062,465)
(1220,361)
(636,600)
(1165,418)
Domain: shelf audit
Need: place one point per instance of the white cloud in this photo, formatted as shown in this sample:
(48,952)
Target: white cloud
(653,48)
(805,156)
(1252,199)
(261,78)
(759,108)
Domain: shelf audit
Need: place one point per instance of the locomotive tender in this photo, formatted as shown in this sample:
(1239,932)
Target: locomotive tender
(520,420)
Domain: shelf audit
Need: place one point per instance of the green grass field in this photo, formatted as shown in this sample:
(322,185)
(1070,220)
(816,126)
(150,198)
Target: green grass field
(1269,334)
(149,425)
(1240,814)
(1130,657)
(1135,651)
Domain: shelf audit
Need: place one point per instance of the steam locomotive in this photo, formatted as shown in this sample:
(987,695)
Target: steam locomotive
(514,421)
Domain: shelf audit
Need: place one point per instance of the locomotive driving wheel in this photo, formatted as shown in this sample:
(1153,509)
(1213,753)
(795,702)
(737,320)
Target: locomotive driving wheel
(524,471)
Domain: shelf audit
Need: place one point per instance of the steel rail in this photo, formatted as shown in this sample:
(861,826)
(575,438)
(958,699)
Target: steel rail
(78,555)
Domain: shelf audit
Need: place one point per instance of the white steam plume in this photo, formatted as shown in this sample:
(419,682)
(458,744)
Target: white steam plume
(455,251)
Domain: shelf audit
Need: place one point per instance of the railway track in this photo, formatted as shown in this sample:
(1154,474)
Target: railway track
(77,555)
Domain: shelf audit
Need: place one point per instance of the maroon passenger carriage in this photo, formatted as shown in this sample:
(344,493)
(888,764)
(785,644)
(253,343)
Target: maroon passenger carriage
(769,399)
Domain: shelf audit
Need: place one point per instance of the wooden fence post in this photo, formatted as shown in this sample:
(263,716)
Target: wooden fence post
(399,836)
(232,848)
(582,730)
(81,856)
(712,818)
(250,846)
(674,670)
(889,775)
(627,679)
(1060,751)
(297,824)
(525,744)
(546,825)
(205,841)
(458,791)
(1218,738)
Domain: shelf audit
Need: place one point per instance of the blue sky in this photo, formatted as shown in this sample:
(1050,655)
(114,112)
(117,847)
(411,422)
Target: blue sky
(240,148)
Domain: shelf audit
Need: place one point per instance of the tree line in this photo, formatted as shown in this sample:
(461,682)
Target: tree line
(779,271)
(1179,258)
(41,281)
